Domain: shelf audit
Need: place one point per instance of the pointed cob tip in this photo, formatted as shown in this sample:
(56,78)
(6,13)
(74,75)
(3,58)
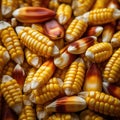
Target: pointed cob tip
(62,19)
(6,56)
(116,13)
(83,94)
(6,78)
(16,12)
(105,87)
(42,115)
(6,10)
(19,28)
(69,92)
(26,88)
(69,38)
(18,108)
(4,24)
(115,42)
(34,84)
(99,30)
(89,55)
(55,51)
(36,62)
(19,59)
(18,68)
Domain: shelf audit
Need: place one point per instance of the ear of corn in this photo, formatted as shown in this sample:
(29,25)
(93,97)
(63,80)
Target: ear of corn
(53,5)
(102,103)
(99,52)
(75,30)
(64,13)
(46,93)
(81,45)
(66,104)
(37,42)
(74,77)
(112,68)
(93,79)
(11,42)
(32,58)
(80,6)
(12,93)
(43,74)
(90,115)
(8,6)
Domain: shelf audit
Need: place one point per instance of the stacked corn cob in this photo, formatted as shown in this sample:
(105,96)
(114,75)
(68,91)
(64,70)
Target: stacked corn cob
(60,59)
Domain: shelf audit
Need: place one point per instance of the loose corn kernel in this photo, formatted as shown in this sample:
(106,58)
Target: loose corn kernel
(74,77)
(8,6)
(65,1)
(32,58)
(64,13)
(75,30)
(8,69)
(99,52)
(37,42)
(93,79)
(115,41)
(28,113)
(90,115)
(11,42)
(112,68)
(101,16)
(43,74)
(53,5)
(12,93)
(81,6)
(102,103)
(46,93)
(27,85)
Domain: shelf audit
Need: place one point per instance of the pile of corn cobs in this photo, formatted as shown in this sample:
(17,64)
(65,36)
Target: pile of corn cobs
(60,60)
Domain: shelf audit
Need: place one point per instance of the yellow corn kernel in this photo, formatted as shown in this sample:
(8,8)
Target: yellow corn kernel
(36,3)
(46,93)
(43,74)
(8,69)
(75,30)
(112,68)
(90,115)
(99,52)
(12,93)
(102,103)
(4,57)
(100,4)
(32,58)
(53,5)
(8,6)
(11,42)
(28,113)
(115,41)
(74,77)
(38,27)
(101,16)
(27,87)
(65,1)
(81,6)
(64,13)
(37,42)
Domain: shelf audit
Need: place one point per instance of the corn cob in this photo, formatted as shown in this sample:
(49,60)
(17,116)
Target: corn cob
(101,16)
(93,79)
(41,113)
(64,13)
(36,3)
(19,75)
(102,103)
(43,74)
(99,52)
(37,42)
(46,93)
(63,116)
(27,83)
(4,57)
(81,45)
(28,113)
(65,1)
(94,31)
(12,93)
(53,30)
(32,58)
(112,68)
(99,4)
(64,59)
(8,6)
(112,89)
(67,104)
(75,30)
(59,43)
(90,115)
(11,42)
(108,32)
(53,5)
(74,77)
(115,41)
(80,6)
(33,14)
